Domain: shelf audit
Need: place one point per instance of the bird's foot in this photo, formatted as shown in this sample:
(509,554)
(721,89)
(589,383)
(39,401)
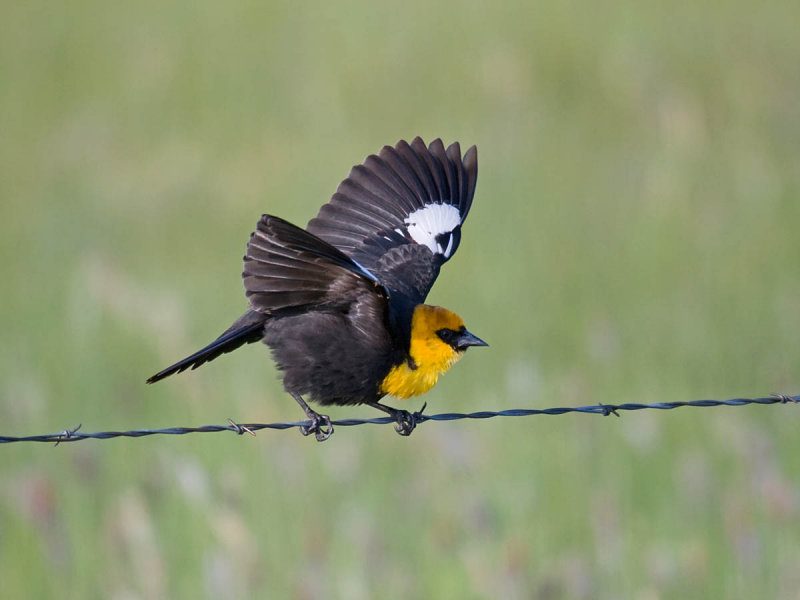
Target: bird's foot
(320,426)
(406,421)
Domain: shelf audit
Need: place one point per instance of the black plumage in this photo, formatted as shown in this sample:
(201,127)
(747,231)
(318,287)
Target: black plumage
(335,302)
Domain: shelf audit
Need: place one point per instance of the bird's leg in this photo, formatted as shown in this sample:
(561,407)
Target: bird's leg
(320,425)
(406,421)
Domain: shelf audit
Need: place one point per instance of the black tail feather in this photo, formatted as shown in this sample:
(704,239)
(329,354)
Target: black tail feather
(246,330)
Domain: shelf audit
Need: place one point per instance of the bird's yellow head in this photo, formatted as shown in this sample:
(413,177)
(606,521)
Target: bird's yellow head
(438,340)
(438,337)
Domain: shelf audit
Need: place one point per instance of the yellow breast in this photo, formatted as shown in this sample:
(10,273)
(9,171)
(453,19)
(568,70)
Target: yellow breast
(404,382)
(430,356)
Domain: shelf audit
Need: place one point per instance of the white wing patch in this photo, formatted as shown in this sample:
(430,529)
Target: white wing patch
(430,221)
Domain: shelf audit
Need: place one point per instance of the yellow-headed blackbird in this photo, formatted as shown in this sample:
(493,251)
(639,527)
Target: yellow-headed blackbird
(341,303)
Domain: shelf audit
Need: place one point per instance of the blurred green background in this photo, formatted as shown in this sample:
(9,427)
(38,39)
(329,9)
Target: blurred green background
(634,238)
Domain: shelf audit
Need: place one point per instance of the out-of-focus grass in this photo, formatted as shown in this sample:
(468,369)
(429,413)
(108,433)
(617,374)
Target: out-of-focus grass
(633,238)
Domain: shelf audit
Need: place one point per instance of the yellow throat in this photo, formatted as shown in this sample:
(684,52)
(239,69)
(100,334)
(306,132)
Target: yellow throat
(430,355)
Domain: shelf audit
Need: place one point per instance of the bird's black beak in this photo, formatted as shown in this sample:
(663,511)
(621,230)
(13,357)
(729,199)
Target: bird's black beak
(466,339)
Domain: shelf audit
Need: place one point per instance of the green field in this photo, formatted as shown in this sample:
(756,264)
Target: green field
(634,238)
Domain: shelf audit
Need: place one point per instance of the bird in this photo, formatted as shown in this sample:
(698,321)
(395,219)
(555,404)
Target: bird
(341,303)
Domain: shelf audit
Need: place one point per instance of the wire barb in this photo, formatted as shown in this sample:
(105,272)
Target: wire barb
(241,429)
(67,434)
(73,435)
(784,398)
(608,410)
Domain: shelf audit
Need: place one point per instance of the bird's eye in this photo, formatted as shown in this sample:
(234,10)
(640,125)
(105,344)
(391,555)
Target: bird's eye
(448,336)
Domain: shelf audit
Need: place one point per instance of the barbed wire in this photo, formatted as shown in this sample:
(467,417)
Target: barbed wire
(74,435)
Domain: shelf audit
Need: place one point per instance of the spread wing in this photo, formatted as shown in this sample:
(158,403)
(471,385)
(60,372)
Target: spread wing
(286,269)
(399,214)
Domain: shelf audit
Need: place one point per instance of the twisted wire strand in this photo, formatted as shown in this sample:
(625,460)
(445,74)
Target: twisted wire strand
(75,435)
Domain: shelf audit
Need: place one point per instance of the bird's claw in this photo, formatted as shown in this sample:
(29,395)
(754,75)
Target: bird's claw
(320,426)
(406,421)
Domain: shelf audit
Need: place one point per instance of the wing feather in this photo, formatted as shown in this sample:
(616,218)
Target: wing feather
(287,268)
(404,171)
(439,153)
(407,195)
